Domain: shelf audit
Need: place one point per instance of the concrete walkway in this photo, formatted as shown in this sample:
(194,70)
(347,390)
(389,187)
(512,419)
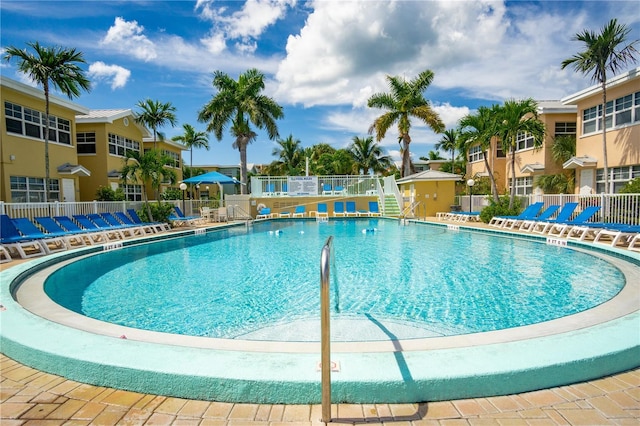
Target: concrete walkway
(31,397)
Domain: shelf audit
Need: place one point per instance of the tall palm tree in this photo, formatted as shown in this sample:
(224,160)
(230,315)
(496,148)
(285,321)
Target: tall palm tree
(449,142)
(514,118)
(240,103)
(479,129)
(148,168)
(604,51)
(404,101)
(49,67)
(368,155)
(289,155)
(155,114)
(192,139)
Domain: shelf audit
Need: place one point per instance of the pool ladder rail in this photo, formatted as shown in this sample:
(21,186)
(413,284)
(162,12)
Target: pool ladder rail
(325,334)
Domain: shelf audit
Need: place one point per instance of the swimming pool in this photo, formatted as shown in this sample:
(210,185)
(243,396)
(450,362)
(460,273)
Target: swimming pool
(263,284)
(589,344)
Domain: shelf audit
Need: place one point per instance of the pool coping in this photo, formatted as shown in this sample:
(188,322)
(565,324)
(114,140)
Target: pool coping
(400,371)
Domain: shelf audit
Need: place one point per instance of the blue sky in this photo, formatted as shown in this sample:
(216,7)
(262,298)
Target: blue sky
(322,59)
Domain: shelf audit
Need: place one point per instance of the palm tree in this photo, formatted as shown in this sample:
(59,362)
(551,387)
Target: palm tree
(147,168)
(603,52)
(479,129)
(563,148)
(241,103)
(289,155)
(368,155)
(192,139)
(513,119)
(432,155)
(49,67)
(449,142)
(403,102)
(154,115)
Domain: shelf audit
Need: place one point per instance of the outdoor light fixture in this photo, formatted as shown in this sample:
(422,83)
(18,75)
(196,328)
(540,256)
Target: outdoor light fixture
(183,187)
(470,182)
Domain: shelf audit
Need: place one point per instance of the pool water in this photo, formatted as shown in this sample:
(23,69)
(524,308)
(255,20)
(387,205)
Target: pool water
(417,280)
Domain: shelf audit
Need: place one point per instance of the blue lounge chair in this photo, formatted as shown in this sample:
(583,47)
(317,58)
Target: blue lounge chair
(264,213)
(13,241)
(528,213)
(327,189)
(86,223)
(180,219)
(106,226)
(157,226)
(92,236)
(51,243)
(299,211)
(351,208)
(374,209)
(558,228)
(122,217)
(339,190)
(545,215)
(132,229)
(321,211)
(51,227)
(269,190)
(541,227)
(338,208)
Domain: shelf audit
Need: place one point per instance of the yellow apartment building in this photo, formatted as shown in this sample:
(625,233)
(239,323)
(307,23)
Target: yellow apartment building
(622,121)
(558,120)
(22,146)
(579,114)
(102,138)
(172,150)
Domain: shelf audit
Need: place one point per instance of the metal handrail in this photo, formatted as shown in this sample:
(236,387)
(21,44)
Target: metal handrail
(410,208)
(325,330)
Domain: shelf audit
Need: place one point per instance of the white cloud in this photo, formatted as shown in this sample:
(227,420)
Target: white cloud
(244,26)
(117,75)
(127,37)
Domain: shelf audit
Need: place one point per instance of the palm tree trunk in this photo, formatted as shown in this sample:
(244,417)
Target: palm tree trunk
(243,167)
(47,195)
(494,187)
(406,156)
(191,168)
(513,177)
(604,136)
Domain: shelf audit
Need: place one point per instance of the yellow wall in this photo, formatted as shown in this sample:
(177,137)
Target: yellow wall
(102,162)
(623,144)
(29,153)
(434,196)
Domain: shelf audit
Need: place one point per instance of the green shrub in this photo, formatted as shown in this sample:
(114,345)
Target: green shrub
(171,194)
(160,211)
(501,208)
(105,193)
(632,187)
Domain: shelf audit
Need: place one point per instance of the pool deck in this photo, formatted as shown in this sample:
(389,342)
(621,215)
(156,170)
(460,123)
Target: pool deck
(28,396)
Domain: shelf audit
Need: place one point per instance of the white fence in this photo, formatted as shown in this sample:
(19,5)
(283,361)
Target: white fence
(617,208)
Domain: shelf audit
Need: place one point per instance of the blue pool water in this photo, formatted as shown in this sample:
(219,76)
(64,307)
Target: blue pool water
(424,280)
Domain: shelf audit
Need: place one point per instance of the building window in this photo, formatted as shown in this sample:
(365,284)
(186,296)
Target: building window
(174,159)
(30,122)
(31,190)
(524,140)
(499,151)
(619,176)
(524,185)
(619,112)
(119,145)
(86,143)
(565,128)
(475,154)
(133,192)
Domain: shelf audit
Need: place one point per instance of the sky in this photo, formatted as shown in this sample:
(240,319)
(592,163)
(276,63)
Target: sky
(322,59)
